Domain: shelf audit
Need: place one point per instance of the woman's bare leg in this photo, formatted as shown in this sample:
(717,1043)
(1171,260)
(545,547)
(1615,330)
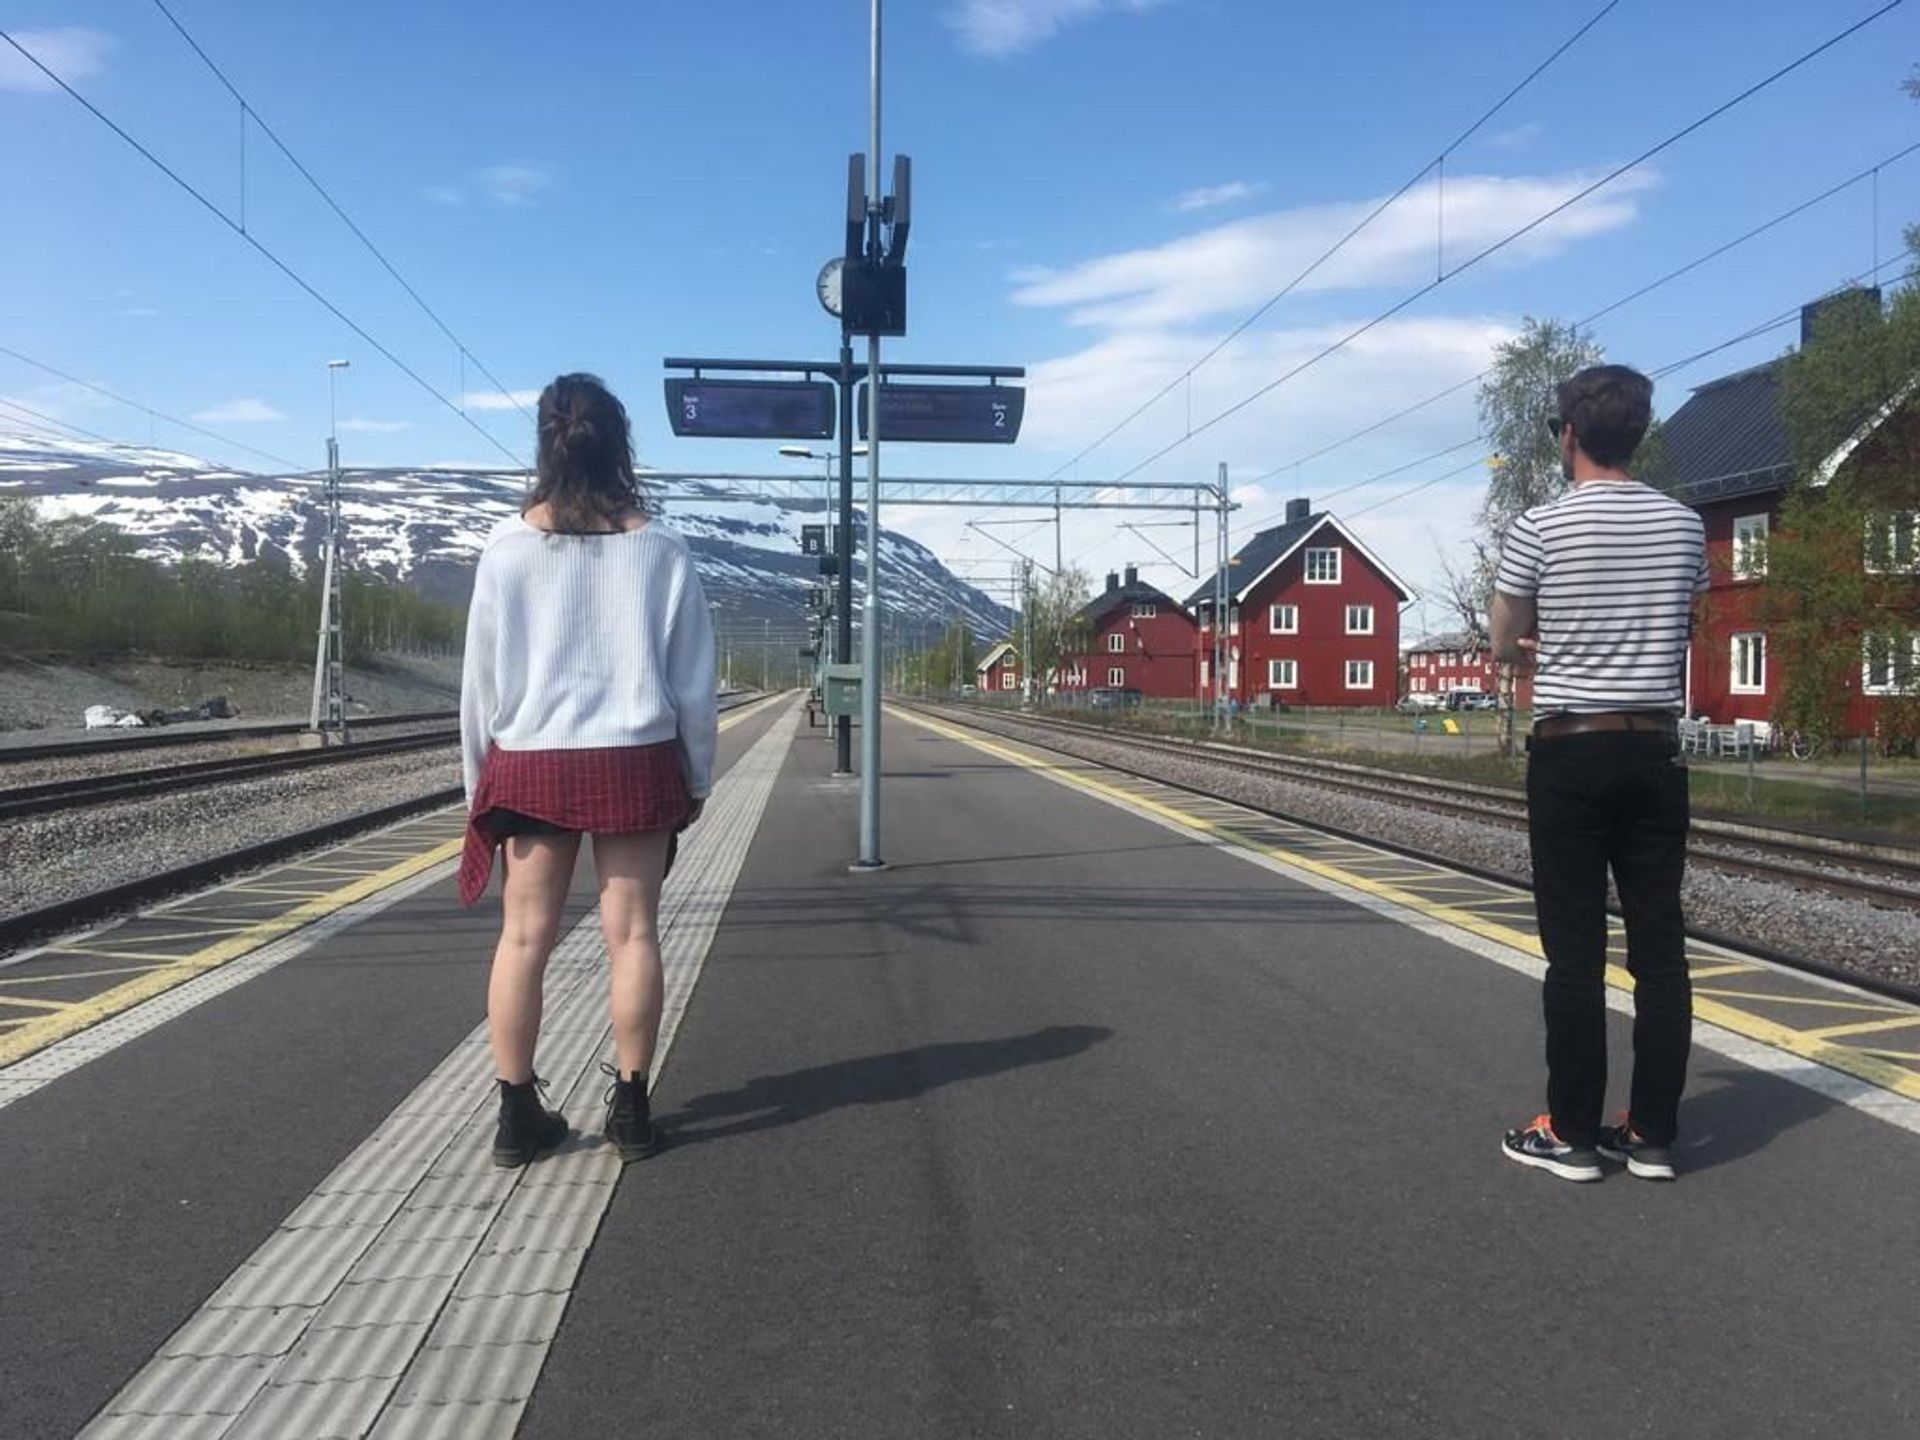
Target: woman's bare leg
(631,868)
(539,871)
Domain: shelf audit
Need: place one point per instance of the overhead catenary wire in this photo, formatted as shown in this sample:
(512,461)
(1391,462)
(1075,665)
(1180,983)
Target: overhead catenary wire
(1521,232)
(1381,208)
(249,111)
(1752,234)
(53,425)
(268,254)
(291,466)
(1778,321)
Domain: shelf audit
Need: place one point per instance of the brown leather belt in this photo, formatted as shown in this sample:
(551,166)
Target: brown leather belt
(1639,722)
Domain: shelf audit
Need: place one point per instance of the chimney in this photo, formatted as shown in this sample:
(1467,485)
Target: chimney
(1853,303)
(1133,574)
(1298,509)
(1113,582)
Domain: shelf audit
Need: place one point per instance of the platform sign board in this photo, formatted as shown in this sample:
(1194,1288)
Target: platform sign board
(751,409)
(813,539)
(958,414)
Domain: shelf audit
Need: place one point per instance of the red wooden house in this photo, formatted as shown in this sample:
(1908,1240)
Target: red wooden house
(1313,617)
(1135,637)
(1728,455)
(1442,664)
(999,672)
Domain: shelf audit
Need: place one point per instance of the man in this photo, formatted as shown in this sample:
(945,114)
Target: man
(1597,589)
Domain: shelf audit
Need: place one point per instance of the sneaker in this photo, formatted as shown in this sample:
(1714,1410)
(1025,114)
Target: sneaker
(526,1127)
(1642,1158)
(1539,1147)
(629,1123)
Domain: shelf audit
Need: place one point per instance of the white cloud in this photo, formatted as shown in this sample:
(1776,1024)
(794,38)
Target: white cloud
(1208,197)
(73,53)
(500,400)
(1006,27)
(446,195)
(512,184)
(377,427)
(1518,137)
(1237,266)
(237,412)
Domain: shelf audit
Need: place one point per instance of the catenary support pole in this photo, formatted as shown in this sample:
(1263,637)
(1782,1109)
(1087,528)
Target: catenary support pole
(843,557)
(870,620)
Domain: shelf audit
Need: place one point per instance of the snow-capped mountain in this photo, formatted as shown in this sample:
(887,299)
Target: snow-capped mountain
(425,528)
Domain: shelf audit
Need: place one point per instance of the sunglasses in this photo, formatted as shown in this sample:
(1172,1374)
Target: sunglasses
(1555,424)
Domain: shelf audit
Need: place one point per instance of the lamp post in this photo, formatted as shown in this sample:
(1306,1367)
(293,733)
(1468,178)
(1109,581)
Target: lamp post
(329,713)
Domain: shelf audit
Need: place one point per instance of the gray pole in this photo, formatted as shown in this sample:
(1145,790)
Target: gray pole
(1222,604)
(843,557)
(870,620)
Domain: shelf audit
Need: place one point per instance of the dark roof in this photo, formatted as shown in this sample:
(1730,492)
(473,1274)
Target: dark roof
(1252,559)
(1728,439)
(1104,604)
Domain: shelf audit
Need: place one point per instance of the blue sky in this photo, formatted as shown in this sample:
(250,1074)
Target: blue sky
(1103,188)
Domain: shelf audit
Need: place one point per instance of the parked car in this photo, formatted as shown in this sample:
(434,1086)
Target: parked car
(1114,698)
(1416,701)
(1465,699)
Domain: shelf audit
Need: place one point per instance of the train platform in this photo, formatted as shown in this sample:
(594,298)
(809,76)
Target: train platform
(1106,1110)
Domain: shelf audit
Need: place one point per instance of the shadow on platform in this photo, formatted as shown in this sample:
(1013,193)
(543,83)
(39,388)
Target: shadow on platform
(769,1101)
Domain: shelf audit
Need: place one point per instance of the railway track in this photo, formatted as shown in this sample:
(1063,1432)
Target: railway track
(1873,874)
(162,737)
(81,910)
(82,790)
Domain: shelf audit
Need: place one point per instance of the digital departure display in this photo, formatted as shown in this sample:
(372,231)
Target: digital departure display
(751,409)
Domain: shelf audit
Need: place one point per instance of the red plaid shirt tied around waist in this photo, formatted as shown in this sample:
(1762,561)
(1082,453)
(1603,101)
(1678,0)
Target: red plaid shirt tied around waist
(615,790)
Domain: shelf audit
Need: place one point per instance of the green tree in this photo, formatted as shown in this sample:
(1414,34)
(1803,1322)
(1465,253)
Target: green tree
(1515,401)
(1058,629)
(1839,564)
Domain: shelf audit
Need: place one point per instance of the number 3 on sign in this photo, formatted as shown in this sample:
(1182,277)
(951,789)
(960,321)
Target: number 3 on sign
(690,408)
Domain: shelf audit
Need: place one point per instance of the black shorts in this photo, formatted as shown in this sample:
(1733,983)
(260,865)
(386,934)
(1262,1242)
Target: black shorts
(503,823)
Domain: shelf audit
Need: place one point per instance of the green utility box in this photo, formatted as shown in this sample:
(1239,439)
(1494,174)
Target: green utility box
(840,685)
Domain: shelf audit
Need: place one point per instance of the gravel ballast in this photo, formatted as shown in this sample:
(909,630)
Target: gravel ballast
(1817,925)
(46,859)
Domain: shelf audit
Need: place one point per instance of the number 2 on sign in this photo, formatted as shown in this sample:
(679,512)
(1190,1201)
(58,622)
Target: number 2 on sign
(999,415)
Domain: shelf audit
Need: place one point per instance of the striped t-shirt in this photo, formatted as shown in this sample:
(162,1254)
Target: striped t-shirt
(1612,568)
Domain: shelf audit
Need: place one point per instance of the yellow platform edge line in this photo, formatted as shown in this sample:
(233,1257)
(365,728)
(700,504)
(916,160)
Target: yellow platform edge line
(39,1035)
(1807,1046)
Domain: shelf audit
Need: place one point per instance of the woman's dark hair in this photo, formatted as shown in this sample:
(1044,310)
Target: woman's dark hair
(1609,407)
(584,467)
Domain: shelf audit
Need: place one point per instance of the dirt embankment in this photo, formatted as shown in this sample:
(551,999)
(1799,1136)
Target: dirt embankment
(52,693)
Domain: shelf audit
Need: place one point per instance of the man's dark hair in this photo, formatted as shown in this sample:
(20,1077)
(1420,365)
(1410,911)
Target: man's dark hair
(1609,407)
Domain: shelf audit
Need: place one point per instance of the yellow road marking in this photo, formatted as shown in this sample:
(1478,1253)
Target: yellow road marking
(1871,1007)
(76,975)
(25,1004)
(1806,1045)
(1866,1027)
(1710,972)
(41,1033)
(1893,1054)
(162,957)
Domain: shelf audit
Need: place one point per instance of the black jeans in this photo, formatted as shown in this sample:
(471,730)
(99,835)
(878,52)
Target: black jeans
(1611,800)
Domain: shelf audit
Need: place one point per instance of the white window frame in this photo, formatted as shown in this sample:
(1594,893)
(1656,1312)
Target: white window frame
(1145,609)
(1316,554)
(1750,563)
(1892,684)
(1887,528)
(1283,619)
(1283,674)
(1116,675)
(1117,643)
(1009,680)
(1366,614)
(1754,668)
(1367,671)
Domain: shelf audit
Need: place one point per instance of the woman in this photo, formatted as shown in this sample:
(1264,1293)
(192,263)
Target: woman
(586,707)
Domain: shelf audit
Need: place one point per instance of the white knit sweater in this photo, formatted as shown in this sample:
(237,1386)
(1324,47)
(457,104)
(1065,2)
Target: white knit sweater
(581,641)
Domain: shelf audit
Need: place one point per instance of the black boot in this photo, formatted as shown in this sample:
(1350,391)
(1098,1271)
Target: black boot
(629,1124)
(527,1127)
